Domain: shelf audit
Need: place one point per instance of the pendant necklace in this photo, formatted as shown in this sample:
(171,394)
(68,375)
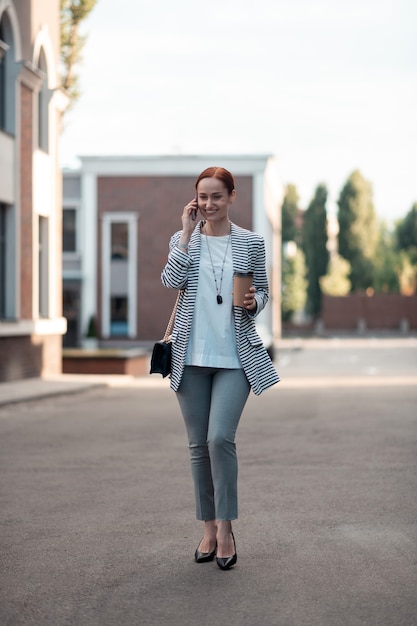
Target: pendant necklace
(218,288)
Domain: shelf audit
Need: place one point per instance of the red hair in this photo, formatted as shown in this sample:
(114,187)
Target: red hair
(220,173)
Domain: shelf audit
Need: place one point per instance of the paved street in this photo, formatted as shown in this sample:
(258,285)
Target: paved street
(97,513)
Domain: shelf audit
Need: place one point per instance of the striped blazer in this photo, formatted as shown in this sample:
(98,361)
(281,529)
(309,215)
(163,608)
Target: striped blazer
(181,272)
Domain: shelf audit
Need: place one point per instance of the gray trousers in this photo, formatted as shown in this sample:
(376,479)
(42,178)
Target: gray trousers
(212,401)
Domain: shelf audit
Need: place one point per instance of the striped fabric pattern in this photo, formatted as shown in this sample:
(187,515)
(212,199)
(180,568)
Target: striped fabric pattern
(181,272)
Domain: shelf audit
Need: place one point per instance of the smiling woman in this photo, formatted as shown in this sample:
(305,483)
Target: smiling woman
(217,355)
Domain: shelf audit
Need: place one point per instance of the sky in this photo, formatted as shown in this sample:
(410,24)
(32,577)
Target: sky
(326,86)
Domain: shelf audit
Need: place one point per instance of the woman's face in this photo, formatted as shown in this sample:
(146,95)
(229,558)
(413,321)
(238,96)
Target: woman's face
(214,199)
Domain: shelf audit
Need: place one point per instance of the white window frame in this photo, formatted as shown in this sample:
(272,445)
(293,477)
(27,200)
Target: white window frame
(107,220)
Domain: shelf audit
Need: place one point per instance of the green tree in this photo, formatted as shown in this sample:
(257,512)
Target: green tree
(358,229)
(289,214)
(387,263)
(73,12)
(315,247)
(294,285)
(406,230)
(336,282)
(406,245)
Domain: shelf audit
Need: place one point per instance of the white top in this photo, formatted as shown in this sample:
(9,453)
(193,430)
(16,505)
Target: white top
(212,341)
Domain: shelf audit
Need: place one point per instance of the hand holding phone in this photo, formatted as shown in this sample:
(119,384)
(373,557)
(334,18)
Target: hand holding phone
(194,211)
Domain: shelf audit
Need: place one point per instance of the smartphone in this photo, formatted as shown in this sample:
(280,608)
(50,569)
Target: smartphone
(194,211)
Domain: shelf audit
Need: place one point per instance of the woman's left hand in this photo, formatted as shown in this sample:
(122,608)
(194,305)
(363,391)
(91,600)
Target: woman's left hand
(249,301)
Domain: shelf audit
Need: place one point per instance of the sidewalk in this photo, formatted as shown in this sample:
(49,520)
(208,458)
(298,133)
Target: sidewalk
(64,384)
(286,363)
(36,388)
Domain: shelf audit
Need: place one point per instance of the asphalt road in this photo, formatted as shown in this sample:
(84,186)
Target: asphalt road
(97,512)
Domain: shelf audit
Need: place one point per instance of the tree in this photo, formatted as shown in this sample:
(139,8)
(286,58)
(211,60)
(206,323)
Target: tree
(358,229)
(406,230)
(336,282)
(294,284)
(407,275)
(92,331)
(73,12)
(406,245)
(289,214)
(387,263)
(315,247)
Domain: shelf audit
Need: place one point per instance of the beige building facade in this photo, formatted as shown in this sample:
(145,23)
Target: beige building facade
(31,105)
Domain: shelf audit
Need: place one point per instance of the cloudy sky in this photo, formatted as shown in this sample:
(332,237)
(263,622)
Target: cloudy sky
(327,86)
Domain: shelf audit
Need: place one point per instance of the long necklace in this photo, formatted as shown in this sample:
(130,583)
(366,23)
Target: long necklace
(218,288)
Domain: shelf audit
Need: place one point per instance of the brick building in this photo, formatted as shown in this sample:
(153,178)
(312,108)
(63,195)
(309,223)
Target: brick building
(119,213)
(31,103)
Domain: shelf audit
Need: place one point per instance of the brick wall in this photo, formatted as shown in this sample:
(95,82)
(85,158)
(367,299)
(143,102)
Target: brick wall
(377,312)
(159,202)
(29,357)
(129,365)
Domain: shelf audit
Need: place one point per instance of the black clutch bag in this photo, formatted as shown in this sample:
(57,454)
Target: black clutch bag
(161,358)
(161,353)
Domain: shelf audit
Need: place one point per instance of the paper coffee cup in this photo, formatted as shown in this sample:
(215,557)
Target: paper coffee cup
(241,285)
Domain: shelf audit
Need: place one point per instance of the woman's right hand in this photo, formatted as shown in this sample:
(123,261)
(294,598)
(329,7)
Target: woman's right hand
(189,212)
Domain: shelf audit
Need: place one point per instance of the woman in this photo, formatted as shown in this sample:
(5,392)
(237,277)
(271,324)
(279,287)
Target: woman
(217,355)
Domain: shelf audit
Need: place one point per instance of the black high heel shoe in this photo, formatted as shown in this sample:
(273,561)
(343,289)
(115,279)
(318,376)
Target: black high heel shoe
(228,561)
(204,557)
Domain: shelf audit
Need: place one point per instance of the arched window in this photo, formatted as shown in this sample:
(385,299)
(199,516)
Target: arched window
(43,105)
(8,69)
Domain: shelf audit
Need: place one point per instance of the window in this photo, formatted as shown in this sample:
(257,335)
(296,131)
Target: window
(118,316)
(43,105)
(3,242)
(43,267)
(8,73)
(119,275)
(119,241)
(119,254)
(7,262)
(69,237)
(3,49)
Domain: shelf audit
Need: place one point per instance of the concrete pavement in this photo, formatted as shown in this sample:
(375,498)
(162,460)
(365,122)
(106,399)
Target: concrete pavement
(97,510)
(339,360)
(37,388)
